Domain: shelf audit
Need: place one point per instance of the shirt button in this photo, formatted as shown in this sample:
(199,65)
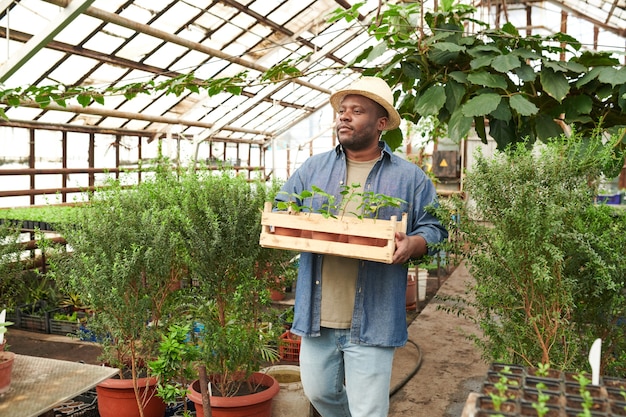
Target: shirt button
(317,283)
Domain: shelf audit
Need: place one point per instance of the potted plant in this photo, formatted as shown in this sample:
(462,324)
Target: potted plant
(64,322)
(11,268)
(126,243)
(6,358)
(230,301)
(548,263)
(348,226)
(174,367)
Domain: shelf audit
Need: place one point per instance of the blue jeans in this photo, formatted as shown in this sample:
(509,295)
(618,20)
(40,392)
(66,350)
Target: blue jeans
(343,379)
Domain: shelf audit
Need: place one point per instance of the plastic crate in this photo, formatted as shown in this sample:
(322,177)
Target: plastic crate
(289,347)
(65,327)
(84,405)
(610,198)
(33,317)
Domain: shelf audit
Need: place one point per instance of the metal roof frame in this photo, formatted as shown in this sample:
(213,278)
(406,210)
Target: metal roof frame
(114,42)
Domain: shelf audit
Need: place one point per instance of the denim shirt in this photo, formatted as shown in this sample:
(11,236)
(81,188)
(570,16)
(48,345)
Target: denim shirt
(379,314)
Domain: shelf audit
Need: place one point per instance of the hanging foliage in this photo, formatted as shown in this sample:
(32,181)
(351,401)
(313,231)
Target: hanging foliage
(510,87)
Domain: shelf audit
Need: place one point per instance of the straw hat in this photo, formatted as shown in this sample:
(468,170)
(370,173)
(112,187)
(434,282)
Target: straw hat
(375,89)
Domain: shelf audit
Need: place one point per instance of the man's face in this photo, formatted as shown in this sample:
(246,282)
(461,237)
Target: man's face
(359,122)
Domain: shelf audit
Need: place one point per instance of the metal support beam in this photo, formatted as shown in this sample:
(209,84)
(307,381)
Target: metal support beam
(15,62)
(4,4)
(178,40)
(141,116)
(110,131)
(609,28)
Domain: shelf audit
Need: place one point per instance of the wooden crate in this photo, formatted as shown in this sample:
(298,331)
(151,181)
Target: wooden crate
(382,230)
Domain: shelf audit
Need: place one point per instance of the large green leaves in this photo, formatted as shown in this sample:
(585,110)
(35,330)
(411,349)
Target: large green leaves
(487,79)
(520,104)
(518,83)
(506,63)
(393,138)
(431,101)
(459,125)
(481,105)
(612,76)
(554,83)
(546,127)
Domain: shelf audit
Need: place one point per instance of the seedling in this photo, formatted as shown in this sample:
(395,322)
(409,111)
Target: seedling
(543,369)
(587,402)
(499,396)
(542,399)
(295,202)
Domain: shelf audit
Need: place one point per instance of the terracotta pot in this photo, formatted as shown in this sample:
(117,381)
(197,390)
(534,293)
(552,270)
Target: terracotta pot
(411,290)
(116,398)
(329,237)
(286,231)
(258,404)
(367,241)
(277,295)
(6,368)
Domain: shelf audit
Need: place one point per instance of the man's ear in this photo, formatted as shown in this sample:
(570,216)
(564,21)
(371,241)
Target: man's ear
(382,123)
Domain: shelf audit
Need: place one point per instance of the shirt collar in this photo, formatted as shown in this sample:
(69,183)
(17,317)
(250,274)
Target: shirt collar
(384,149)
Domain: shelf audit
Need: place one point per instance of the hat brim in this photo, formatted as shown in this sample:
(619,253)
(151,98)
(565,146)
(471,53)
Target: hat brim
(394,116)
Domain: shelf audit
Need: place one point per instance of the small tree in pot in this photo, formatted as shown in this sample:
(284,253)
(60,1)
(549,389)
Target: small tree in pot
(126,246)
(6,358)
(230,302)
(11,267)
(549,264)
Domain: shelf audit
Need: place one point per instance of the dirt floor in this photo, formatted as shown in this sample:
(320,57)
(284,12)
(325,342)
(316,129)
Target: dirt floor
(432,377)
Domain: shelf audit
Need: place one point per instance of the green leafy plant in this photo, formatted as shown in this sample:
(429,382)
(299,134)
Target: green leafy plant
(516,85)
(175,365)
(73,301)
(85,96)
(66,317)
(543,369)
(373,202)
(11,267)
(52,214)
(587,399)
(231,298)
(500,394)
(542,399)
(125,245)
(367,203)
(549,264)
(295,202)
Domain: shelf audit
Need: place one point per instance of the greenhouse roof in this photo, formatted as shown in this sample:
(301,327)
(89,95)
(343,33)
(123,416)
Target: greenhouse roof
(104,43)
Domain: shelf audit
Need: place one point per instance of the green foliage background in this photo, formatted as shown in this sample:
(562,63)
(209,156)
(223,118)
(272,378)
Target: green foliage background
(549,264)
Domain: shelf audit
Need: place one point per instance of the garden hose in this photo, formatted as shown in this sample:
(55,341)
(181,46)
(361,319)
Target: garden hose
(411,374)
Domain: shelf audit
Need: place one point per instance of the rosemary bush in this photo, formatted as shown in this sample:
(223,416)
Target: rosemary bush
(549,264)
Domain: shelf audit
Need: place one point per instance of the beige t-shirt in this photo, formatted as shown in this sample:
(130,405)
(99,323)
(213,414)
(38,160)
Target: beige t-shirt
(338,273)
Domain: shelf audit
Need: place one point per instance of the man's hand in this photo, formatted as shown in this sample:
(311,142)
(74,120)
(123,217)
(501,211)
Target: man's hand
(408,247)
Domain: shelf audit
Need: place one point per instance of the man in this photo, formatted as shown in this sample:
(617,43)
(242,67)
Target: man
(351,313)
